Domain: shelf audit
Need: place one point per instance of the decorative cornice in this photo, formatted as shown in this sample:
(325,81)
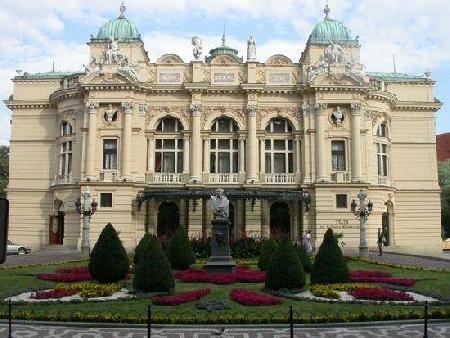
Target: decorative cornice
(25,104)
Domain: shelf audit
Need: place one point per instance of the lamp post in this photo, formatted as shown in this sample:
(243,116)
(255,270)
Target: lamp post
(362,212)
(86,210)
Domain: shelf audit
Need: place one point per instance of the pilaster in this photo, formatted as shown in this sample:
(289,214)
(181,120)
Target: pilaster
(91,141)
(127,134)
(252,145)
(196,147)
(356,142)
(321,175)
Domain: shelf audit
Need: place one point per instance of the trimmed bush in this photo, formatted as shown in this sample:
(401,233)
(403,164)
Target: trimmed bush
(139,250)
(180,252)
(304,257)
(286,270)
(152,272)
(329,266)
(267,252)
(109,261)
(246,247)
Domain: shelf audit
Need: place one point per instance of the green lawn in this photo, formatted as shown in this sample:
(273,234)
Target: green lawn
(15,281)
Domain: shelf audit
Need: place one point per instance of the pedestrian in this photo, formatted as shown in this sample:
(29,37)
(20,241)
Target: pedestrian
(380,242)
(308,245)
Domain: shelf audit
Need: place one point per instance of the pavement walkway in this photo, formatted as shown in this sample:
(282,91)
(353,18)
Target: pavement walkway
(396,330)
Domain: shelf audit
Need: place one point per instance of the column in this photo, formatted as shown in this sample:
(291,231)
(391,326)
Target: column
(298,161)
(127,140)
(91,141)
(196,144)
(206,155)
(252,145)
(151,157)
(241,155)
(320,143)
(262,156)
(186,154)
(356,142)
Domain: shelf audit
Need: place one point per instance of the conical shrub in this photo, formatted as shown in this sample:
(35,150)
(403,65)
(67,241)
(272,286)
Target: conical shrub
(304,257)
(286,270)
(267,252)
(152,272)
(139,250)
(180,252)
(329,266)
(108,262)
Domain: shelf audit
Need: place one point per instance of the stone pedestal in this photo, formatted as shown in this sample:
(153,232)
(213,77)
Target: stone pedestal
(220,260)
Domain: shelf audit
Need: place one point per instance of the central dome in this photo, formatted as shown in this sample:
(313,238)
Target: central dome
(120,28)
(331,30)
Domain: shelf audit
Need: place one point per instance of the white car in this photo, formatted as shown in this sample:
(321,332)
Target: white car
(15,249)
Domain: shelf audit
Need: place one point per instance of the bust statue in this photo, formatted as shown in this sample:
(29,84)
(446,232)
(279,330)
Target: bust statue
(220,204)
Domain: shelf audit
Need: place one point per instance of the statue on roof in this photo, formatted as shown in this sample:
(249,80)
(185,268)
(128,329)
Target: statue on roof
(197,50)
(333,53)
(251,49)
(114,55)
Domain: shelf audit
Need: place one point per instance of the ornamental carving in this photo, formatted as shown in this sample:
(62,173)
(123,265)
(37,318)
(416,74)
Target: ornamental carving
(210,113)
(265,114)
(110,116)
(69,116)
(170,59)
(260,76)
(153,114)
(278,60)
(337,117)
(187,77)
(223,60)
(152,76)
(206,75)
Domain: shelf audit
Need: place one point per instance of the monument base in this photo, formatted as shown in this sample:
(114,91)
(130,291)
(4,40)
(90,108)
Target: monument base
(220,260)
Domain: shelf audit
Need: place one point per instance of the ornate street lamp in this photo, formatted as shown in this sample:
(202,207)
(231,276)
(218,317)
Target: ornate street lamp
(362,212)
(86,210)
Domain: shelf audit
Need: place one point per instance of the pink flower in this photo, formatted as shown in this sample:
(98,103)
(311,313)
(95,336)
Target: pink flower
(65,277)
(181,297)
(241,275)
(381,294)
(53,294)
(250,298)
(363,276)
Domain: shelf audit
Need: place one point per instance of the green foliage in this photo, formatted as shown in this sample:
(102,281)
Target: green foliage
(267,252)
(444,173)
(4,169)
(329,266)
(286,270)
(445,204)
(180,252)
(139,250)
(246,247)
(304,257)
(152,272)
(109,261)
(201,247)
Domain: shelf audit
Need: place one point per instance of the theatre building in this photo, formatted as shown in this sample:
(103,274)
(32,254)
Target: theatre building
(291,142)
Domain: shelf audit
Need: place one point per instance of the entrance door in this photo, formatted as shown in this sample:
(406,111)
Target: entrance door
(168,219)
(385,227)
(280,221)
(56,229)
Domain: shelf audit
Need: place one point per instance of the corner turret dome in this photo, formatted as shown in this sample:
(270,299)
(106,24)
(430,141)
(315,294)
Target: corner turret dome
(119,28)
(331,30)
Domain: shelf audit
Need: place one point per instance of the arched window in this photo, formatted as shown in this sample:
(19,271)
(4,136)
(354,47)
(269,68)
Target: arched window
(224,156)
(66,128)
(382,130)
(279,147)
(169,146)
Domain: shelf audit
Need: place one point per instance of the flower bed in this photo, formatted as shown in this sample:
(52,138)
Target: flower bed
(181,297)
(331,290)
(241,275)
(53,294)
(65,277)
(250,298)
(77,270)
(363,276)
(381,294)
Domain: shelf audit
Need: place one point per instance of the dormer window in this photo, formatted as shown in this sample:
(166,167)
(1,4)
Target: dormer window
(66,128)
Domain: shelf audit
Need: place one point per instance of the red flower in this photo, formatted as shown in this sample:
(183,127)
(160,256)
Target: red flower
(65,277)
(381,294)
(367,274)
(53,294)
(77,270)
(250,298)
(181,297)
(241,275)
(363,276)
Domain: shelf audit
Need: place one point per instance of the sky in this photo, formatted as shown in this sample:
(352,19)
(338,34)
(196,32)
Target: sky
(34,34)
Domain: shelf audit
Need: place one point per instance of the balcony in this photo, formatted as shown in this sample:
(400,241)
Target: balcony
(108,176)
(62,179)
(223,178)
(340,177)
(280,178)
(384,180)
(167,178)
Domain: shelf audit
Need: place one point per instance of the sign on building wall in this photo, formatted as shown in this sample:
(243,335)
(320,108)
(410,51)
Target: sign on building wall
(169,78)
(227,78)
(279,78)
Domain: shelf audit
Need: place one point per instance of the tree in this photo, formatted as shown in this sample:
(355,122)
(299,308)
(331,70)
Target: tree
(304,257)
(267,252)
(286,270)
(444,182)
(108,262)
(180,252)
(152,272)
(4,169)
(329,266)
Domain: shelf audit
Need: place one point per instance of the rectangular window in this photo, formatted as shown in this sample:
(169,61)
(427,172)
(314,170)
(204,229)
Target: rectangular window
(106,200)
(110,154)
(341,201)
(65,158)
(268,163)
(279,163)
(338,155)
(224,162)
(382,159)
(279,144)
(180,162)
(169,162)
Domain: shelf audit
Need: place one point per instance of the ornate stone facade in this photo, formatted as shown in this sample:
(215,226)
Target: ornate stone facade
(127,126)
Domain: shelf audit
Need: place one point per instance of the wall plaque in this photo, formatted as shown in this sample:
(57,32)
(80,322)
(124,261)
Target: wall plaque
(224,77)
(169,78)
(279,78)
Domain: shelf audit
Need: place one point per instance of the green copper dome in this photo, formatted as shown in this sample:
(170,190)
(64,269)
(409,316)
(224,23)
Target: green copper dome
(223,50)
(331,30)
(120,28)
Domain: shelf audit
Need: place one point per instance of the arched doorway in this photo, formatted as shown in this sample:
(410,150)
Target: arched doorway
(56,224)
(280,220)
(231,223)
(168,219)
